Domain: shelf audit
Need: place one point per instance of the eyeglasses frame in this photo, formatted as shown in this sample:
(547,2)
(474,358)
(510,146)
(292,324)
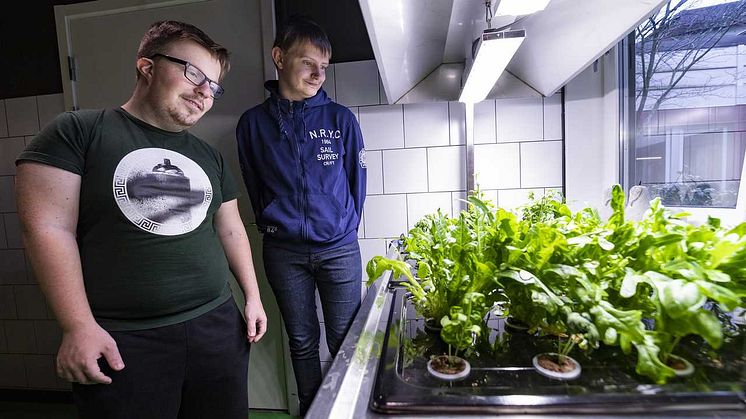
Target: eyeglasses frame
(216,89)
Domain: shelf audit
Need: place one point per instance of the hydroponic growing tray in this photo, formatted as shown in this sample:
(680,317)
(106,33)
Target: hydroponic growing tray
(503,380)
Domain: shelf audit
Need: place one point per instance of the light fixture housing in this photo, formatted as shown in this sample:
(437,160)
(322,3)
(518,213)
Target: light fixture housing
(520,7)
(494,51)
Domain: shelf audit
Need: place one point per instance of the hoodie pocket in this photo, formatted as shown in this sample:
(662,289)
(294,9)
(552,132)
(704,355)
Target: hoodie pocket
(325,217)
(282,218)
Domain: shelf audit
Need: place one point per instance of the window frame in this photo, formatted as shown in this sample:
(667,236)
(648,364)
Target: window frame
(627,129)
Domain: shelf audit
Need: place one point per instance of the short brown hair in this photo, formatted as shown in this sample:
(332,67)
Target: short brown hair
(165,32)
(298,29)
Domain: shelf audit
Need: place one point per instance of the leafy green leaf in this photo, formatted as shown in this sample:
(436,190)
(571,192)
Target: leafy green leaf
(680,298)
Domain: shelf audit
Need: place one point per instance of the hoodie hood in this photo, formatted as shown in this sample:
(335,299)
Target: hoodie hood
(273,86)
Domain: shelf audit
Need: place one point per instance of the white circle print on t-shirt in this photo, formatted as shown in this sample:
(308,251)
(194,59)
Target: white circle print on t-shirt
(161,191)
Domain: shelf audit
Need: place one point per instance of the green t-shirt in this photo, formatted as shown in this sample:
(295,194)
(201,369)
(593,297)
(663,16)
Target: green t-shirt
(150,253)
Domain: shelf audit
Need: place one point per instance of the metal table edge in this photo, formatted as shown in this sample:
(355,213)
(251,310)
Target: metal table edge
(346,387)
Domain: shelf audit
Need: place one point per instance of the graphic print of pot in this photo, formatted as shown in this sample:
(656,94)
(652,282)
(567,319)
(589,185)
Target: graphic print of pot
(164,195)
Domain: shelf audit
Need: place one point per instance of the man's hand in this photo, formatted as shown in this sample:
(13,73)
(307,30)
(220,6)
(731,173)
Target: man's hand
(256,319)
(48,199)
(235,242)
(77,359)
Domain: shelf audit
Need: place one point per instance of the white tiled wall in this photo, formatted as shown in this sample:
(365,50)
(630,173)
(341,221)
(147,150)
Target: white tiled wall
(498,166)
(446,168)
(422,204)
(513,198)
(7,199)
(405,170)
(458,202)
(23,116)
(485,131)
(370,248)
(9,149)
(3,239)
(12,230)
(29,336)
(357,83)
(426,124)
(49,108)
(553,117)
(382,127)
(385,216)
(520,119)
(457,122)
(416,162)
(3,120)
(416,154)
(374,164)
(541,164)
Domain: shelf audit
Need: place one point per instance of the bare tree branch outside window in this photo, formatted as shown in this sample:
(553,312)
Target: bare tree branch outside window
(672,42)
(688,139)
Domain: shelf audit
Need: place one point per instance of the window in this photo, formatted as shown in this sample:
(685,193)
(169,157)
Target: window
(686,133)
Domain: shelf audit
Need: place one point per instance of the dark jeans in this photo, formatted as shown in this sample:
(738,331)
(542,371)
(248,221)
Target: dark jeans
(294,277)
(190,370)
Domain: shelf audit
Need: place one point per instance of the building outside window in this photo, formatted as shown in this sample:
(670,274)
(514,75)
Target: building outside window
(686,132)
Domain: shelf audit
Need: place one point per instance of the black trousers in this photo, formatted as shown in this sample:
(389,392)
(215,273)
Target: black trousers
(192,370)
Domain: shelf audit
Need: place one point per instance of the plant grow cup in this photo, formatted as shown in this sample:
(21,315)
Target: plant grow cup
(433,326)
(546,365)
(458,373)
(681,366)
(515,326)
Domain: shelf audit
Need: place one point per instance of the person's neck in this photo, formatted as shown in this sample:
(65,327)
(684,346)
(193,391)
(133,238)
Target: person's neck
(142,111)
(282,90)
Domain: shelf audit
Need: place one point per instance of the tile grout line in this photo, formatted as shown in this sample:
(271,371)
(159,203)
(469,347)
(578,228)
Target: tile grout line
(5,111)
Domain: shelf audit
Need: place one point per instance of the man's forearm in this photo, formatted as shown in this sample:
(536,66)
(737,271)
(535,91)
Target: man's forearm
(235,243)
(238,253)
(55,260)
(48,199)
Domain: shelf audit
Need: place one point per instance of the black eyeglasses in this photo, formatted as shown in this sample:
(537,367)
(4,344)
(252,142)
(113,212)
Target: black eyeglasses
(194,75)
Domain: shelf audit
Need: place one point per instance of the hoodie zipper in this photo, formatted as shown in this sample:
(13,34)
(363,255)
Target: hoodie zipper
(302,174)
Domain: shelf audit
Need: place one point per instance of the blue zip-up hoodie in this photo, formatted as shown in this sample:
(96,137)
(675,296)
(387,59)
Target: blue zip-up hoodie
(303,164)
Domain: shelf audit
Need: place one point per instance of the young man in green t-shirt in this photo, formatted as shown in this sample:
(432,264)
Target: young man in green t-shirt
(132,228)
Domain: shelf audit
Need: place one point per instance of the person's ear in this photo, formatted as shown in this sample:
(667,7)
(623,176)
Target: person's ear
(277,57)
(145,67)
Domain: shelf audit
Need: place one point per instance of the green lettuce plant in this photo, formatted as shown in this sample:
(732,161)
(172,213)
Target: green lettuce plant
(569,273)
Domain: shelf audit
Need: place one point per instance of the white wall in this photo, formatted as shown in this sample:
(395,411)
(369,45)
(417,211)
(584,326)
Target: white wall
(416,155)
(592,133)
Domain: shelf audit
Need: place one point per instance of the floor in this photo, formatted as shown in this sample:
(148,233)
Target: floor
(27,410)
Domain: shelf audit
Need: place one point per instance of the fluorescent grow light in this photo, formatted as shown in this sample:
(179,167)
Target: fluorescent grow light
(493,54)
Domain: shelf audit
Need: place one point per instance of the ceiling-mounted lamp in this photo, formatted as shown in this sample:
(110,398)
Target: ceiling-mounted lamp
(494,50)
(520,7)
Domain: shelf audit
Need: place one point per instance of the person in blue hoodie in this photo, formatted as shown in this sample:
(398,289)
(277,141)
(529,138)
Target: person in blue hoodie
(303,163)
